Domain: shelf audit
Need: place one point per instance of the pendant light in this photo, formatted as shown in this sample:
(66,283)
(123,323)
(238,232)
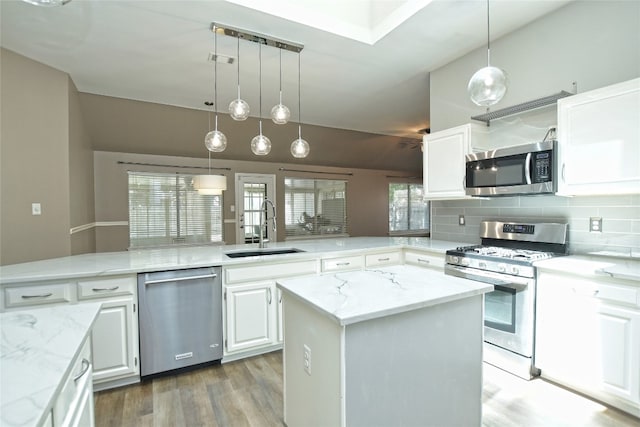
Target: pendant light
(215,140)
(260,144)
(489,84)
(280,113)
(238,108)
(299,147)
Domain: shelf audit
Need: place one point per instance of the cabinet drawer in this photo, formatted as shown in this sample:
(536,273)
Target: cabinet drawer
(343,263)
(615,293)
(74,384)
(260,272)
(385,258)
(36,295)
(424,260)
(108,287)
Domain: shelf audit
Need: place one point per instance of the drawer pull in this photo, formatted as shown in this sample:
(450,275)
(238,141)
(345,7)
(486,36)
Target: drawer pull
(383,259)
(85,367)
(37,296)
(426,261)
(115,288)
(342,263)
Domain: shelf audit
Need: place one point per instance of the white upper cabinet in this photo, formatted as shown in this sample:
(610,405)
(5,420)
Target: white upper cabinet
(599,141)
(444,159)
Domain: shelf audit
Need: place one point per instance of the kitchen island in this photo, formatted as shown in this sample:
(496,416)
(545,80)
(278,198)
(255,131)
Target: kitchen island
(394,346)
(44,361)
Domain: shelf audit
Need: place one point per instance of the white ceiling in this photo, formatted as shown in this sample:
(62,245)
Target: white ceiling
(367,72)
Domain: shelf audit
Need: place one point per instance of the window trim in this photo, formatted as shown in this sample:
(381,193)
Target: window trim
(409,232)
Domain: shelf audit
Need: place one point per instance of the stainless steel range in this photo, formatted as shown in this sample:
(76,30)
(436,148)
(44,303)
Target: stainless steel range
(505,259)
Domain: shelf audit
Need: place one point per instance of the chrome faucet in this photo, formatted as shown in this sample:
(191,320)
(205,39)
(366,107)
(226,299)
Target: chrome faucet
(263,223)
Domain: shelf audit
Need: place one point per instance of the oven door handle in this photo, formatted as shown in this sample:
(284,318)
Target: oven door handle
(489,277)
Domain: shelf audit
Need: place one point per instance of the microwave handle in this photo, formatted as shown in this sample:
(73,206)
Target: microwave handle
(527,168)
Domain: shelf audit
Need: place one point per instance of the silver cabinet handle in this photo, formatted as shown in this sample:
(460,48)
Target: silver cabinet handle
(269,295)
(37,296)
(426,261)
(342,263)
(563,168)
(115,288)
(85,367)
(383,259)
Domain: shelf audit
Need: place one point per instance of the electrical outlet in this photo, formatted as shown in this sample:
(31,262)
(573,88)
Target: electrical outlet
(307,359)
(36,209)
(461,220)
(595,224)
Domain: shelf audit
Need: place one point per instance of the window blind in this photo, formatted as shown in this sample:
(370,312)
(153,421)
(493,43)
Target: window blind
(408,211)
(165,209)
(315,207)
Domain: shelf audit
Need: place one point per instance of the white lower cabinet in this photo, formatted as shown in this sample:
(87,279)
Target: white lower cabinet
(115,341)
(252,311)
(115,333)
(74,405)
(588,337)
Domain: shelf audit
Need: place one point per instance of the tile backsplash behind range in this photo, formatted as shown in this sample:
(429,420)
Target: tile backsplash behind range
(620,219)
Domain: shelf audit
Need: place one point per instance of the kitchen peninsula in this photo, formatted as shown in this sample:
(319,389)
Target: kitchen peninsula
(395,345)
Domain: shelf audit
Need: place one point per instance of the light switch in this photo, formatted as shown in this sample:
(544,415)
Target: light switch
(36,209)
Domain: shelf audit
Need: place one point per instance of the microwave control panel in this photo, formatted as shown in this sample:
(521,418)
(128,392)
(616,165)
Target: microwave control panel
(542,167)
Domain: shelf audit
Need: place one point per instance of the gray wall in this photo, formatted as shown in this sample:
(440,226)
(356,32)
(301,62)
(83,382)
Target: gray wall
(34,160)
(367,192)
(595,43)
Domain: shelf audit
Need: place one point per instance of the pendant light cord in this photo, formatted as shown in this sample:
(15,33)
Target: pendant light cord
(488,38)
(299,108)
(238,55)
(215,75)
(260,82)
(280,76)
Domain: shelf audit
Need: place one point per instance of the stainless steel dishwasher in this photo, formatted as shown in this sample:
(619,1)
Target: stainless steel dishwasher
(180,319)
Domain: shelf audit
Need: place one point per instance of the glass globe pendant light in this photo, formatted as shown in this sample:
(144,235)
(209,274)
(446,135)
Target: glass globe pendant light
(280,113)
(489,84)
(260,144)
(299,147)
(215,140)
(238,108)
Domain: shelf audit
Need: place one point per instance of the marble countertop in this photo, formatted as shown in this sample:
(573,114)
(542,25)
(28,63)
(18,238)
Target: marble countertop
(357,296)
(625,269)
(38,348)
(140,261)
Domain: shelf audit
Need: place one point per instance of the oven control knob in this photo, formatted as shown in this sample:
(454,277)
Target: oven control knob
(515,269)
(454,259)
(502,268)
(464,261)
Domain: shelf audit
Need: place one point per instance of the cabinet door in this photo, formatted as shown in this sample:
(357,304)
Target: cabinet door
(251,315)
(618,341)
(565,321)
(599,141)
(444,160)
(115,341)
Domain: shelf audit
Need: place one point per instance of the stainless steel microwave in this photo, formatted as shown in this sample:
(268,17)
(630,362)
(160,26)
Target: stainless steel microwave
(519,170)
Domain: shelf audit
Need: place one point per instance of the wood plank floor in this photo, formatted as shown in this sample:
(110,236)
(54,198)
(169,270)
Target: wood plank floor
(249,393)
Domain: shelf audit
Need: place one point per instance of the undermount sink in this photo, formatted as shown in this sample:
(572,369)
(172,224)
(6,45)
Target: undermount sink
(260,252)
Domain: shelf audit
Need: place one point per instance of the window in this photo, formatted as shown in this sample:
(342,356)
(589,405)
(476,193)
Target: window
(165,209)
(408,212)
(315,207)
